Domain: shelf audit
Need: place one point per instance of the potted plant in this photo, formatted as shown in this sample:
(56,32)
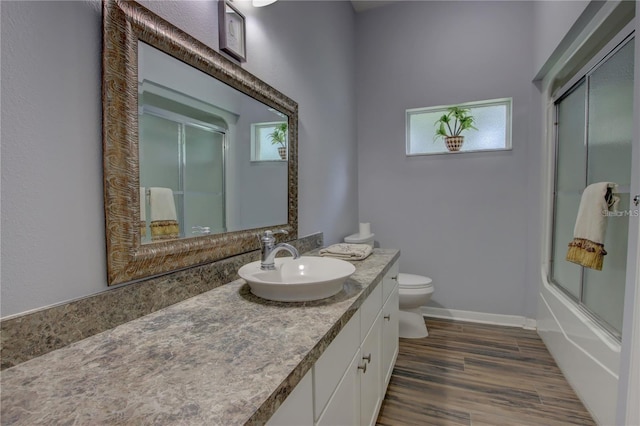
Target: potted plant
(452,124)
(279,137)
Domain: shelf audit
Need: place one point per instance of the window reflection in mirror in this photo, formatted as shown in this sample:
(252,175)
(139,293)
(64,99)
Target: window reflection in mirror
(269,141)
(197,140)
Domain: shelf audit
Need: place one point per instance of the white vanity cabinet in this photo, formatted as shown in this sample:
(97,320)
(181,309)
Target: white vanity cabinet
(350,378)
(355,397)
(297,409)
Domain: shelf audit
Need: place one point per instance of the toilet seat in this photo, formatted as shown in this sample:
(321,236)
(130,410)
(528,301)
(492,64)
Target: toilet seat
(411,281)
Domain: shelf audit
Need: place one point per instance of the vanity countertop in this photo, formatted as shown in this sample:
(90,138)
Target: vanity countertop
(223,357)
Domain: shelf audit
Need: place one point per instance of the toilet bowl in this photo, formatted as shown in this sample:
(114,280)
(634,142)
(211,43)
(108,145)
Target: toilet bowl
(414,291)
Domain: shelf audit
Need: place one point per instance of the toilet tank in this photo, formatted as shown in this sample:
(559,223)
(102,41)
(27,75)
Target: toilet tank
(358,239)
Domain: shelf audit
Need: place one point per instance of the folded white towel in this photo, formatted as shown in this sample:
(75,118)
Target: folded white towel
(164,220)
(163,207)
(347,251)
(587,246)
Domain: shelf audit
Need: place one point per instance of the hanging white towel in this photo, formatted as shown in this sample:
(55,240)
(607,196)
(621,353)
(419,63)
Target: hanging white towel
(143,212)
(347,251)
(587,246)
(164,220)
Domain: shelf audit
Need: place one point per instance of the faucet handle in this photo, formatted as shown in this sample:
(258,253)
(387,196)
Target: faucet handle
(265,237)
(268,235)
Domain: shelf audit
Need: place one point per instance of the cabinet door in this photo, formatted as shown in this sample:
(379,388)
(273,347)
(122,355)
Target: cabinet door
(369,311)
(333,363)
(370,379)
(297,409)
(344,406)
(390,334)
(389,282)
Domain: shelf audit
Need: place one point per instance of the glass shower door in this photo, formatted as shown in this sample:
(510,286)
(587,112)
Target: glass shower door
(204,180)
(571,174)
(609,159)
(593,144)
(160,161)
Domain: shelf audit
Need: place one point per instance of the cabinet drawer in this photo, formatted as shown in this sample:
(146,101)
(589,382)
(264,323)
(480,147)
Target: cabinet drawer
(332,364)
(389,281)
(369,311)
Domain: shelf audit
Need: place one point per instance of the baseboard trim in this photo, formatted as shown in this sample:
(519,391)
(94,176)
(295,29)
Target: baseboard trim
(479,317)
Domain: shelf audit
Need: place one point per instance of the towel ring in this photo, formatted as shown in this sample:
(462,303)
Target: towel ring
(609,197)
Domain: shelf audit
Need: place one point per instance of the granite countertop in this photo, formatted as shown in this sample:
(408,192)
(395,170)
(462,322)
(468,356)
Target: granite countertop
(223,357)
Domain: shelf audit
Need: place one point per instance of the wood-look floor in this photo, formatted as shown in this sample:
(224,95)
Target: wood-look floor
(480,375)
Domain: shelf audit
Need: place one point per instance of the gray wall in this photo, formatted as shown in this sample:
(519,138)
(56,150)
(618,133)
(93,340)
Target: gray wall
(53,246)
(552,20)
(460,219)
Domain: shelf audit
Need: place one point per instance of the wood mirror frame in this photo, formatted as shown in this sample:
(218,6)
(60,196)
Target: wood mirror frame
(124,24)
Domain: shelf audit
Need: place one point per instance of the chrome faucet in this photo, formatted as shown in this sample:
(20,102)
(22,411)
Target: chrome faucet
(270,249)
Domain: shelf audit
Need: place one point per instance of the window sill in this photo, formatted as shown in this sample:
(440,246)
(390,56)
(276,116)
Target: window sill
(475,151)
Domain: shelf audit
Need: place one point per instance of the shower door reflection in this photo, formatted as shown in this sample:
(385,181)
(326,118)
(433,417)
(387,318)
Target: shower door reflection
(187,156)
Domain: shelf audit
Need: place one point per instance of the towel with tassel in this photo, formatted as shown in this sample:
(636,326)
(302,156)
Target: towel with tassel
(143,212)
(587,246)
(164,221)
(347,251)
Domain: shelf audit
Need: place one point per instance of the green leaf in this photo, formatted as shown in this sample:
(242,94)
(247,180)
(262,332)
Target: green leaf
(279,135)
(457,119)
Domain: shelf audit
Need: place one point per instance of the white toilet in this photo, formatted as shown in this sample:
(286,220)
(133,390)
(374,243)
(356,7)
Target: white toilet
(414,291)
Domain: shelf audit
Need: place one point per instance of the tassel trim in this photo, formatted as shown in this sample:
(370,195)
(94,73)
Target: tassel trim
(164,230)
(586,253)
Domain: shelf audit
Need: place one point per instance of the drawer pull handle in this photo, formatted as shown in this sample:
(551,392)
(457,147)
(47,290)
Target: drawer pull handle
(387,317)
(363,367)
(367,358)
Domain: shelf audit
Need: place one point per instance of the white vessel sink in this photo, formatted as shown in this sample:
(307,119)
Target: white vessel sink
(297,280)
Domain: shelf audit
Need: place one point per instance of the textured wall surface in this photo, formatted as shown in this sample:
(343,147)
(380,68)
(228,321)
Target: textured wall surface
(460,219)
(53,244)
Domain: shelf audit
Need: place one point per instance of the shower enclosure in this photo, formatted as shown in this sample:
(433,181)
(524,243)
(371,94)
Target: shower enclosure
(594,126)
(187,156)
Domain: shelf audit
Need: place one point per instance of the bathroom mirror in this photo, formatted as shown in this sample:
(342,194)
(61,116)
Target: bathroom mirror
(211,146)
(190,171)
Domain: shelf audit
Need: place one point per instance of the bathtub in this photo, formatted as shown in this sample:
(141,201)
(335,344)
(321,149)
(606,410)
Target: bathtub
(587,355)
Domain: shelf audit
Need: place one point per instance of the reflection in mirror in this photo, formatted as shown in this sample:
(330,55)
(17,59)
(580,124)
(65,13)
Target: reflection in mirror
(215,148)
(193,168)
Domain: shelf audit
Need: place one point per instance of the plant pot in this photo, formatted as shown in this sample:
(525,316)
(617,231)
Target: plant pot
(283,152)
(454,143)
